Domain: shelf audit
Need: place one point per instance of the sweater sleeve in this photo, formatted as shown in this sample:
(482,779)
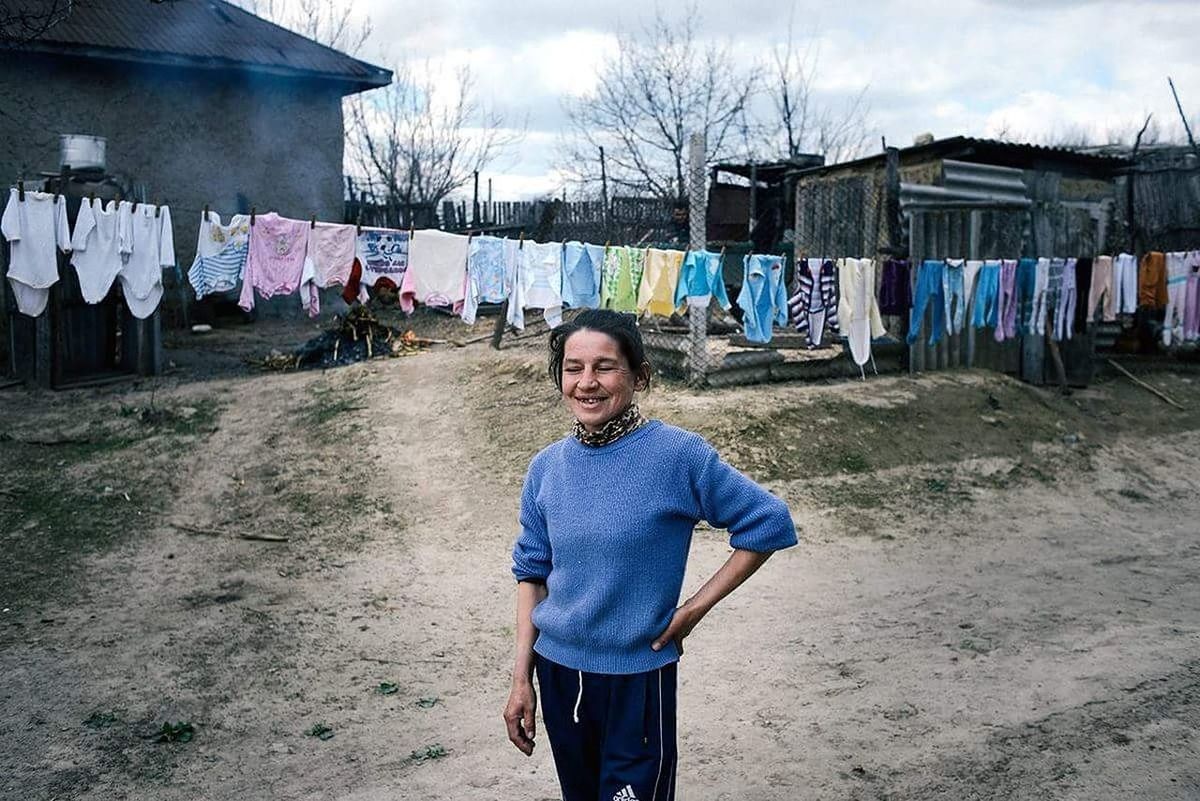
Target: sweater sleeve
(728,499)
(531,553)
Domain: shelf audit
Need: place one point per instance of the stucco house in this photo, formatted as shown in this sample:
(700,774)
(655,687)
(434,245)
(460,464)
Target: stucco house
(201,102)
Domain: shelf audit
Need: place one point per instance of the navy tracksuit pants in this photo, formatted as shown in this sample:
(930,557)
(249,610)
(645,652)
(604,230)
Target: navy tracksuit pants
(612,736)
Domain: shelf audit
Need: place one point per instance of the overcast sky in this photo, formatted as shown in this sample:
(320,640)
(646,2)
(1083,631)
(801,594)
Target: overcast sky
(975,67)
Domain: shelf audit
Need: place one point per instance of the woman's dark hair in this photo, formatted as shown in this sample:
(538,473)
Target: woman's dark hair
(621,327)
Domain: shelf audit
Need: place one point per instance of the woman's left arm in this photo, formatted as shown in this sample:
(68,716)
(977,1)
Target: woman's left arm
(737,568)
(759,524)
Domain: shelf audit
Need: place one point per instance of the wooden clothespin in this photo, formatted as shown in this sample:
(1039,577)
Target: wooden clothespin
(253,214)
(157,208)
(521,241)
(135,205)
(358,223)
(410,233)
(92,196)
(21,189)
(206,211)
(312,223)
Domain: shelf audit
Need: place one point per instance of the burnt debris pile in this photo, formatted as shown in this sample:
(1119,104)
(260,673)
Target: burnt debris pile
(355,337)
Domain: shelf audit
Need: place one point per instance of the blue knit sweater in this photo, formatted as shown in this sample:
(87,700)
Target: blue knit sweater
(608,530)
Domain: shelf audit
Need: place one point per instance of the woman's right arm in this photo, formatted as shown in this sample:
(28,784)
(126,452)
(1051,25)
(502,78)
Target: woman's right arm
(520,712)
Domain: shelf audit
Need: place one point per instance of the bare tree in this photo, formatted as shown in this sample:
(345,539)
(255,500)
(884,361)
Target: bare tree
(660,86)
(329,22)
(803,123)
(417,141)
(22,21)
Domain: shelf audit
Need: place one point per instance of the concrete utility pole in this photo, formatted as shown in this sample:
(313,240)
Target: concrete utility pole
(697,240)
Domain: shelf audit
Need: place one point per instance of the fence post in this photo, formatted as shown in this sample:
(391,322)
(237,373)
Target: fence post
(698,240)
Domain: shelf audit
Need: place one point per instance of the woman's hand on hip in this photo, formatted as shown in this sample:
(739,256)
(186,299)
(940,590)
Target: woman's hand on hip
(682,622)
(520,714)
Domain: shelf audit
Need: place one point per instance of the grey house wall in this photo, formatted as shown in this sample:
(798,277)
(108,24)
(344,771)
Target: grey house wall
(191,136)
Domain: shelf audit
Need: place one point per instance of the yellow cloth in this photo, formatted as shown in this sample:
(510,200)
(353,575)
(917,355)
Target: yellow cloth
(656,295)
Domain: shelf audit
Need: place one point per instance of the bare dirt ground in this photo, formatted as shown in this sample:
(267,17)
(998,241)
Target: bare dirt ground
(995,596)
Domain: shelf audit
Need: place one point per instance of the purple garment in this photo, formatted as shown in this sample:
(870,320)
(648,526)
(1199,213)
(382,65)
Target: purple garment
(895,291)
(1006,326)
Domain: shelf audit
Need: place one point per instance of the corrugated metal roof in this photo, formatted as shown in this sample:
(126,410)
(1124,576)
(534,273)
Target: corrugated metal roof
(204,33)
(1004,154)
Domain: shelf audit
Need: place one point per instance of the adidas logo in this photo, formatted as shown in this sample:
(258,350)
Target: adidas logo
(625,794)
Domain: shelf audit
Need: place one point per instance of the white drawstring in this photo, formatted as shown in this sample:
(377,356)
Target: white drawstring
(579,698)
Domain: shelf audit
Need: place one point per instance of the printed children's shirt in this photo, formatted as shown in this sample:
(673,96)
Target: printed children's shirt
(491,268)
(621,276)
(660,282)
(701,279)
(763,298)
(538,283)
(34,227)
(437,272)
(383,253)
(220,253)
(328,261)
(582,270)
(152,247)
(275,261)
(99,247)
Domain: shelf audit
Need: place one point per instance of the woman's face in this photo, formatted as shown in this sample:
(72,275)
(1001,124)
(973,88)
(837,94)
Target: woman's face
(597,380)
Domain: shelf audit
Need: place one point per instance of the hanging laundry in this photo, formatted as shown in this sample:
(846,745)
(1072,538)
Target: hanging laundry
(1191,304)
(439,270)
(1083,280)
(1125,284)
(275,260)
(985,306)
(220,253)
(895,288)
(582,268)
(660,282)
(1036,322)
(99,245)
(1102,290)
(763,298)
(34,227)
(1052,295)
(538,283)
(1177,277)
(383,253)
(329,261)
(1152,281)
(152,248)
(701,279)
(1064,307)
(1010,301)
(813,306)
(490,274)
(971,270)
(621,276)
(955,292)
(858,312)
(930,293)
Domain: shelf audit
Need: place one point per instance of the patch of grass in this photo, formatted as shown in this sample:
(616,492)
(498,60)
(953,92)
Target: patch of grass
(180,732)
(435,751)
(320,731)
(1133,495)
(101,720)
(61,502)
(330,404)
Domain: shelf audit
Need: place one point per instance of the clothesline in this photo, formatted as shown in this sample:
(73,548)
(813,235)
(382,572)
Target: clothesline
(268,255)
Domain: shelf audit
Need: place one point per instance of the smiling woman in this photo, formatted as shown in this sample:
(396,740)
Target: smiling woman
(607,516)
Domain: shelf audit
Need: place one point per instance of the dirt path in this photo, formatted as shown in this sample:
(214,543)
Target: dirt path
(994,615)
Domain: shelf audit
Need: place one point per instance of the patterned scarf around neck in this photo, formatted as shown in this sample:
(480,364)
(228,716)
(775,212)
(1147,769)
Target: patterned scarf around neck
(624,423)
